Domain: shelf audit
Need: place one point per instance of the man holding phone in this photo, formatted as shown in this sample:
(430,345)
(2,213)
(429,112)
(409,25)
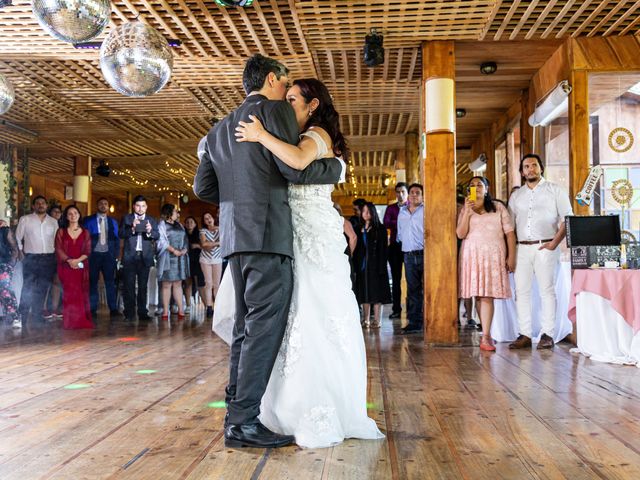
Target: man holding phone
(139,232)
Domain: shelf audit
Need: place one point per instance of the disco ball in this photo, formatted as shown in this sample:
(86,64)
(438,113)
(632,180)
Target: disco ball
(72,21)
(7,95)
(136,60)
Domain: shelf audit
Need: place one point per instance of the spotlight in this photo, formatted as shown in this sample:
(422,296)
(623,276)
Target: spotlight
(460,112)
(488,68)
(103,169)
(373,50)
(386,181)
(234,3)
(185,198)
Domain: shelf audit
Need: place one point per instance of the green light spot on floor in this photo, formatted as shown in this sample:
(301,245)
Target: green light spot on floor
(371,406)
(217,405)
(146,372)
(76,386)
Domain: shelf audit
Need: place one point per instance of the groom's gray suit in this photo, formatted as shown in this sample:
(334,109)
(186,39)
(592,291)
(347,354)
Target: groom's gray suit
(250,185)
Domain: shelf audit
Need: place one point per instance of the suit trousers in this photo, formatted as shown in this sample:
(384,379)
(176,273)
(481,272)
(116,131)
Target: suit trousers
(414,268)
(134,270)
(105,263)
(38,271)
(263,285)
(395,263)
(531,261)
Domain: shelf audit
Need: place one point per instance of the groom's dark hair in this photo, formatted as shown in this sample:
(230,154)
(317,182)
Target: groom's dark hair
(256,70)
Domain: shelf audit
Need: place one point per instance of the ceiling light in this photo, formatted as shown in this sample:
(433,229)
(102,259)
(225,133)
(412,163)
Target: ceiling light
(479,164)
(373,50)
(234,3)
(555,104)
(460,112)
(488,68)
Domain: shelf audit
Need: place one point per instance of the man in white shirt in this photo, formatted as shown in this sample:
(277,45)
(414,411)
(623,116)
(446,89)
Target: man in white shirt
(411,235)
(538,209)
(35,237)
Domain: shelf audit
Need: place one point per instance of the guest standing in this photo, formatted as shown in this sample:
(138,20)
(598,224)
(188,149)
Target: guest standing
(105,248)
(395,247)
(210,260)
(73,247)
(8,256)
(538,209)
(370,259)
(196,277)
(139,231)
(173,261)
(485,260)
(35,237)
(411,235)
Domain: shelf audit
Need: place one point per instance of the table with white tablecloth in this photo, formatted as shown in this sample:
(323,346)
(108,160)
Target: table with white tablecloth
(504,327)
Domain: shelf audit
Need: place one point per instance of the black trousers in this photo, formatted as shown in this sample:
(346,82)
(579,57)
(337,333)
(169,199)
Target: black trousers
(105,263)
(395,263)
(263,284)
(37,275)
(135,270)
(414,268)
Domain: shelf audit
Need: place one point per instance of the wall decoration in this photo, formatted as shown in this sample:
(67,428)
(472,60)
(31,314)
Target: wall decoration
(136,60)
(622,191)
(620,140)
(72,21)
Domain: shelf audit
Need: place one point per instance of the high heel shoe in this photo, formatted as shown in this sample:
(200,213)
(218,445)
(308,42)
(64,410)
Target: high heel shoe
(165,318)
(486,344)
(180,316)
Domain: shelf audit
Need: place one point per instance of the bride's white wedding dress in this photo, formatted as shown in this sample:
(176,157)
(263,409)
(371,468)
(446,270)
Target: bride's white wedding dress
(317,390)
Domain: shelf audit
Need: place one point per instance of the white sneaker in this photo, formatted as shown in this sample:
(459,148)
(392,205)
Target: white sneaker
(187,309)
(174,309)
(17,323)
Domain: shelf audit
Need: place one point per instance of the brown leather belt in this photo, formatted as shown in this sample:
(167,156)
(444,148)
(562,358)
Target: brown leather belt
(534,242)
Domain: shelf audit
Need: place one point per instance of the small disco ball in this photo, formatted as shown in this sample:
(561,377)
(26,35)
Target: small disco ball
(72,21)
(7,95)
(136,60)
(234,3)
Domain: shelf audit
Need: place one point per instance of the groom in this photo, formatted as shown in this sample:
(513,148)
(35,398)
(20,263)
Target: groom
(250,185)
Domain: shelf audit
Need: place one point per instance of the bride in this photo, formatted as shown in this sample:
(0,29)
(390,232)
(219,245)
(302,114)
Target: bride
(317,390)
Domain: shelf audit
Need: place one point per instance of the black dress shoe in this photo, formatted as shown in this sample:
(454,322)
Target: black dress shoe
(395,315)
(411,329)
(144,317)
(115,314)
(254,435)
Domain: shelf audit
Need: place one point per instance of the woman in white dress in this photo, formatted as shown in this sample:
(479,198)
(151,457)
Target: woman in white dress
(317,390)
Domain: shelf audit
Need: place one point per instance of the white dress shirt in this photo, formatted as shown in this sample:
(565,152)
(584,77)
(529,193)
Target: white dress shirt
(36,237)
(139,236)
(537,211)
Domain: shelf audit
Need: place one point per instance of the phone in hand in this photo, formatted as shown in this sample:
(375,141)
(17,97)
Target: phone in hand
(141,227)
(473,196)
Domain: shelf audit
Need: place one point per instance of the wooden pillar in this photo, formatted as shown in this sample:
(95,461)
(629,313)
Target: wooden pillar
(526,130)
(440,273)
(411,150)
(82,183)
(578,136)
(129,202)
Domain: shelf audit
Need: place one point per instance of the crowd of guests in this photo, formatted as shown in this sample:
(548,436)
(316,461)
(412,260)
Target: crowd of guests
(63,256)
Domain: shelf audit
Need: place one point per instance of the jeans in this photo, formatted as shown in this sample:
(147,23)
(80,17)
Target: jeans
(414,269)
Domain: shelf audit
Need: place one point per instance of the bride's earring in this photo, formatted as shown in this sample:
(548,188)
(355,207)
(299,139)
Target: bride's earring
(310,112)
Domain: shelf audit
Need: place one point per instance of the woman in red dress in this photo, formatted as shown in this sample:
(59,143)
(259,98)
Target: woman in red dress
(73,246)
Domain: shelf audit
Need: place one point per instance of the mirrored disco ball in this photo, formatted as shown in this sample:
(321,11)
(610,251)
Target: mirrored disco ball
(72,21)
(136,60)
(7,95)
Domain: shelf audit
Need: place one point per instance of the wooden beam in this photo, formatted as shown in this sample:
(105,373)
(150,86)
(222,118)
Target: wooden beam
(578,136)
(440,278)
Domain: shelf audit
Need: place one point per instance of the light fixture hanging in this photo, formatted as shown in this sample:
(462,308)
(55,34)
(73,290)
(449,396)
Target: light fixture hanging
(554,105)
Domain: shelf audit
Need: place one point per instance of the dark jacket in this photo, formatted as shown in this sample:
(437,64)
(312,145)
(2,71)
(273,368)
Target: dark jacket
(250,184)
(91,224)
(130,239)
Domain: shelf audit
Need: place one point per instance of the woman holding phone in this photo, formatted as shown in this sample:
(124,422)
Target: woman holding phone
(485,258)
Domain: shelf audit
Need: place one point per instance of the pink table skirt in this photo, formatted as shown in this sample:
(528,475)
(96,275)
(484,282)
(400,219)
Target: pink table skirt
(621,287)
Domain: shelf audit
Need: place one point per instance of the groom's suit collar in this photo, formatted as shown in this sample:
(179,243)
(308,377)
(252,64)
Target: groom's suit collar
(255,98)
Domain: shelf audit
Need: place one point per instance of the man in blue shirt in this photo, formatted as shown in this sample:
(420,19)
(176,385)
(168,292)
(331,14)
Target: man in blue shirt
(411,236)
(105,248)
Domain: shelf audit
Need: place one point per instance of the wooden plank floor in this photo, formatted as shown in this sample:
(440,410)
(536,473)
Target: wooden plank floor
(145,403)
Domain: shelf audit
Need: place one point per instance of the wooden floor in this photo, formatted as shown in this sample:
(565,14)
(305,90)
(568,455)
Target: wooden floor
(124,402)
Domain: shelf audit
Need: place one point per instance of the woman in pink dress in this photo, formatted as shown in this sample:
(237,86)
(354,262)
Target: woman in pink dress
(73,246)
(485,259)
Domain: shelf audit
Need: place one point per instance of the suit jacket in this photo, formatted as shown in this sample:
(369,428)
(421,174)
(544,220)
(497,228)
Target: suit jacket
(131,239)
(250,183)
(113,240)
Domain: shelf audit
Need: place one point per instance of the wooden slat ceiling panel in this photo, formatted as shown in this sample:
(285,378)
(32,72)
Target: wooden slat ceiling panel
(62,96)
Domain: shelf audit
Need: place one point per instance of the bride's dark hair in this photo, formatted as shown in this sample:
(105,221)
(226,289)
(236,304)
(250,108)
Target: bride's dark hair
(325,116)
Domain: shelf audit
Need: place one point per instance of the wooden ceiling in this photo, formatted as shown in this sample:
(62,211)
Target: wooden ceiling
(63,99)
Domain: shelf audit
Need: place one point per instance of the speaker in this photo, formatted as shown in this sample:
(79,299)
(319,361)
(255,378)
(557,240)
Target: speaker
(373,50)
